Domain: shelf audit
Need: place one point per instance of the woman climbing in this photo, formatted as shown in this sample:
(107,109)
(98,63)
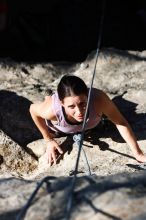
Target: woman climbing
(64,111)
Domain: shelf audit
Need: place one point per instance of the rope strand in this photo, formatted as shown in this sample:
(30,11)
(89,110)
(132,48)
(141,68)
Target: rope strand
(69,205)
(23,211)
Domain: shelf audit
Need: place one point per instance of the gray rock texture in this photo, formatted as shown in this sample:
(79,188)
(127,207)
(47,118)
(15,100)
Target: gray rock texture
(121,196)
(14,159)
(116,189)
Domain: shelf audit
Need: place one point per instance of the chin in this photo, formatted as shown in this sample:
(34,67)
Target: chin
(79,119)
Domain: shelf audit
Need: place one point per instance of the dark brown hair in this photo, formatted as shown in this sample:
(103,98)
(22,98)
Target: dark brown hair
(70,85)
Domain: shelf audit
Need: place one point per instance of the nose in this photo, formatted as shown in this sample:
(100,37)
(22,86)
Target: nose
(78,110)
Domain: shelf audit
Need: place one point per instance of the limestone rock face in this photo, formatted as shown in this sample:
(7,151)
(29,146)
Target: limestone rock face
(14,159)
(121,196)
(104,157)
(117,189)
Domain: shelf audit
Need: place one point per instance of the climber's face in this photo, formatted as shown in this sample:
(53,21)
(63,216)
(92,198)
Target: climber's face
(75,107)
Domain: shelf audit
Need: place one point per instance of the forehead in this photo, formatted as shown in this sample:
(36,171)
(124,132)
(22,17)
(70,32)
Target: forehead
(74,99)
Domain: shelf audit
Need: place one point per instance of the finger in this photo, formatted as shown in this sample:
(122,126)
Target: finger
(59,150)
(54,157)
(49,159)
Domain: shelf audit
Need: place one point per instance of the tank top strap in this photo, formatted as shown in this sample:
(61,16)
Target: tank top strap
(57,108)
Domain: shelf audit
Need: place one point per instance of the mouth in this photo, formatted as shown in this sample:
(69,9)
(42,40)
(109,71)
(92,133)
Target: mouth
(81,117)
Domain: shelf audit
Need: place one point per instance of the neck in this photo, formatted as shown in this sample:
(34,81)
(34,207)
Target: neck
(69,119)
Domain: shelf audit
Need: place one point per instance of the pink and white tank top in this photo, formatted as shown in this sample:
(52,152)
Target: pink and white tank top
(62,125)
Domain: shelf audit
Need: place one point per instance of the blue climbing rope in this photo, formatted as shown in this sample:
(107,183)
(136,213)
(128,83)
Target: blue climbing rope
(69,204)
(77,139)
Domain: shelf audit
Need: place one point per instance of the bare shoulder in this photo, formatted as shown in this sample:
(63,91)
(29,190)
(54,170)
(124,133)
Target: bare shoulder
(99,96)
(107,107)
(44,109)
(102,100)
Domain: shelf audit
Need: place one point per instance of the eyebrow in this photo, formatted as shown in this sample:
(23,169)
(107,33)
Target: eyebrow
(79,103)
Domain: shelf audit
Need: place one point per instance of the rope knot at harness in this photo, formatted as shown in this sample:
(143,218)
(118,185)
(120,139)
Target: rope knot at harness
(77,138)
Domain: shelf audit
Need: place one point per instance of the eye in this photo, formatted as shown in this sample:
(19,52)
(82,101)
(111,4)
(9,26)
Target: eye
(71,106)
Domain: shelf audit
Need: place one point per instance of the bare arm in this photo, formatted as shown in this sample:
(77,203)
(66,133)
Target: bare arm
(39,112)
(112,112)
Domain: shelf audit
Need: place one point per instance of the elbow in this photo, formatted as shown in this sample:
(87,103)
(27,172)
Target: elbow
(121,122)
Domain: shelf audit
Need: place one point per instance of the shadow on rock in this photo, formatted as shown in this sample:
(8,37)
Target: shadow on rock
(136,121)
(137,167)
(66,146)
(93,138)
(15,119)
(13,214)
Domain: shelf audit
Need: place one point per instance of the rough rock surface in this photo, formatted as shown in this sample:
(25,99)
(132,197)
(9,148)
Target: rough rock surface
(14,159)
(22,151)
(117,197)
(103,157)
